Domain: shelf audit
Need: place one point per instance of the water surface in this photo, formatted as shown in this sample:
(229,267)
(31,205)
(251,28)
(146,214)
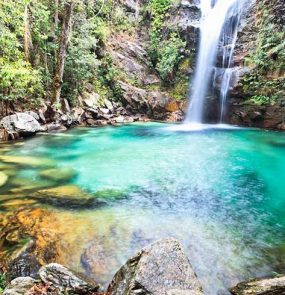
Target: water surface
(221,192)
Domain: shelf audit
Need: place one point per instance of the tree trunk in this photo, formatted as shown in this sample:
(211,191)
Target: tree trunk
(28,44)
(61,55)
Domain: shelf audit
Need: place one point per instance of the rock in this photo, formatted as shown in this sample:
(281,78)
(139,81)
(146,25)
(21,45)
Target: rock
(19,286)
(109,194)
(42,116)
(33,114)
(135,97)
(270,286)
(159,269)
(3,178)
(109,105)
(25,264)
(91,100)
(66,195)
(55,127)
(64,280)
(77,114)
(21,123)
(58,174)
(4,136)
(27,161)
(120,119)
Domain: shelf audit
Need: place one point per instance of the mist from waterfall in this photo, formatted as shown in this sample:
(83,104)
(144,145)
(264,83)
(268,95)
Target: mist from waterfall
(218,26)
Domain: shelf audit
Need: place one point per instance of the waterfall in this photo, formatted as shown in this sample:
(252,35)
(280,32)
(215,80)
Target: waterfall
(218,28)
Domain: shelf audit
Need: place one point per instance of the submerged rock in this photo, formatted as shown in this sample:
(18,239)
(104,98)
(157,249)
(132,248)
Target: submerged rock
(58,174)
(27,161)
(267,286)
(3,178)
(64,280)
(159,269)
(20,286)
(66,195)
(109,194)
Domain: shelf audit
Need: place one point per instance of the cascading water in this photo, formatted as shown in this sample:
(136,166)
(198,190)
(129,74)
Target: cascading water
(219,18)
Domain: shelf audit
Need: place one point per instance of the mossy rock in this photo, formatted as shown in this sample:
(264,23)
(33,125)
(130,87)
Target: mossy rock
(25,185)
(3,178)
(13,204)
(64,196)
(27,161)
(109,194)
(58,174)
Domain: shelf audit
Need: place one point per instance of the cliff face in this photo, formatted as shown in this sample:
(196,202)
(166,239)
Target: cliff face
(258,96)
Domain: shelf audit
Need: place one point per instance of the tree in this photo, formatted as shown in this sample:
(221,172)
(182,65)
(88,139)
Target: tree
(61,55)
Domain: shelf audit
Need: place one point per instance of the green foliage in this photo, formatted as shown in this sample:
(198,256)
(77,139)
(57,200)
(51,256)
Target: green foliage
(2,282)
(169,55)
(165,45)
(266,83)
(18,80)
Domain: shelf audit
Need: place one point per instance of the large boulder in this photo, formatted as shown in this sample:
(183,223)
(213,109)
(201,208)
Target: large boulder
(65,281)
(159,269)
(267,286)
(21,123)
(20,286)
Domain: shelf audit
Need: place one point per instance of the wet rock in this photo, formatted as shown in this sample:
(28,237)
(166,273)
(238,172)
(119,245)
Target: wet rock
(27,161)
(161,268)
(25,265)
(270,286)
(109,194)
(15,204)
(59,174)
(3,178)
(55,127)
(64,280)
(66,195)
(21,123)
(19,286)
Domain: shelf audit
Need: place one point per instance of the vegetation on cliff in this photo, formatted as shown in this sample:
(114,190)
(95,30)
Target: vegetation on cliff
(266,82)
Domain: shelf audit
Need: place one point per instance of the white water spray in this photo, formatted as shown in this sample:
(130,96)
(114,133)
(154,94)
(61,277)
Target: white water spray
(213,19)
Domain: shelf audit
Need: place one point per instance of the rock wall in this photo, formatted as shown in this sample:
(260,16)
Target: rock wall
(257,97)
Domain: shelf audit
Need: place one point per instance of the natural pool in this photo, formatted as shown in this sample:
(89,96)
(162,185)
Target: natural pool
(107,192)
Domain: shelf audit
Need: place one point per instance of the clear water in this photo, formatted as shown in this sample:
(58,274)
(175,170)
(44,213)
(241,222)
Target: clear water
(220,191)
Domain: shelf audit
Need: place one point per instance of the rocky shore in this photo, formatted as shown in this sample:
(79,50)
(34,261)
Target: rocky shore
(161,268)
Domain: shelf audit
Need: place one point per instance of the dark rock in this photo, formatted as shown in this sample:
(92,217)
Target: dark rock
(65,280)
(55,127)
(26,265)
(19,286)
(64,196)
(4,136)
(161,268)
(267,286)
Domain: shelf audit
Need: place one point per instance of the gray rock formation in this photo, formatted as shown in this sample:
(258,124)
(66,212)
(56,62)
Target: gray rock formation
(269,286)
(19,286)
(159,269)
(21,123)
(64,280)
